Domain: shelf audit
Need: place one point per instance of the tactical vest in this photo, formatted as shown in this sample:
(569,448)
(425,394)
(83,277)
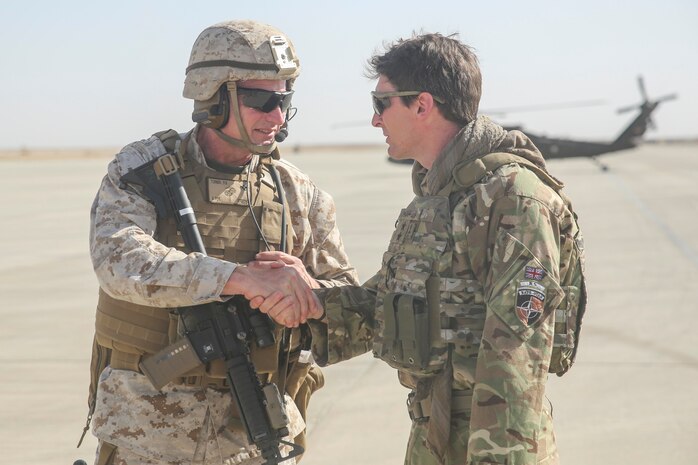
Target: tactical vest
(222,203)
(421,307)
(228,230)
(423,310)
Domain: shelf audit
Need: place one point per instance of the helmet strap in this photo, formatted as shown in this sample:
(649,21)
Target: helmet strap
(245,142)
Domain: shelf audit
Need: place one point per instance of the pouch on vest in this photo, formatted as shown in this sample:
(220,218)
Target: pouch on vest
(411,338)
(570,312)
(412,295)
(406,332)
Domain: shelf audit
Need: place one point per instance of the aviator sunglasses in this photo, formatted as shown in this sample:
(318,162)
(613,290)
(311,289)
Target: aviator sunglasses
(381,100)
(265,100)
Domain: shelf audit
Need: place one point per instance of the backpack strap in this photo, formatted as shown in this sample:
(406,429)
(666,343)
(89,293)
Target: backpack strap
(174,143)
(466,174)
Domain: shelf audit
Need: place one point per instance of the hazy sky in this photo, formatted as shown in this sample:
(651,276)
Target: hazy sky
(87,74)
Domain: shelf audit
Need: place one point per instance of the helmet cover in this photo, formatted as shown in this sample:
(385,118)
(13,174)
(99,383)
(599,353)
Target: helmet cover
(236,51)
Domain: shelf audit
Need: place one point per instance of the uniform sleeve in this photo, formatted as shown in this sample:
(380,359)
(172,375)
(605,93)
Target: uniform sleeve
(324,254)
(521,293)
(316,239)
(350,323)
(318,243)
(131,265)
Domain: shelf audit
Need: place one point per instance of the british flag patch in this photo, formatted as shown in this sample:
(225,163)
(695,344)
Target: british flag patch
(531,272)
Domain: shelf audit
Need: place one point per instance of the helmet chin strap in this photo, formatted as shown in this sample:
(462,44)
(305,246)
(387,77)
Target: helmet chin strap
(245,143)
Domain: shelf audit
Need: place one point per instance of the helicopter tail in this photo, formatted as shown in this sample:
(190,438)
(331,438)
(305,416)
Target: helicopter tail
(631,136)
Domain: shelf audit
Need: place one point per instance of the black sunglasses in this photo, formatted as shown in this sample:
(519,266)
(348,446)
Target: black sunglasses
(265,100)
(381,100)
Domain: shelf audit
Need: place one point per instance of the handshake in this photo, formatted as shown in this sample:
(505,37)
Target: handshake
(277,284)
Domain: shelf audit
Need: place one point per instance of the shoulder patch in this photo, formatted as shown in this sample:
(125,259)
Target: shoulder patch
(530,301)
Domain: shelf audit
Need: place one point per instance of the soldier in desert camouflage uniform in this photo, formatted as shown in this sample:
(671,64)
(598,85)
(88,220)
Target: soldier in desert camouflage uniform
(240,76)
(481,290)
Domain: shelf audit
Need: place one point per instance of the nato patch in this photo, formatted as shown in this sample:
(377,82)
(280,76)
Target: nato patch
(531,272)
(530,298)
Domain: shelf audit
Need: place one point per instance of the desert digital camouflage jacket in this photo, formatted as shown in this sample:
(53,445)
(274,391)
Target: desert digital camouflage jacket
(131,265)
(489,256)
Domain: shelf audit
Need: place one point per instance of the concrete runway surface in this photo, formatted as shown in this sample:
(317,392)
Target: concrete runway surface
(631,398)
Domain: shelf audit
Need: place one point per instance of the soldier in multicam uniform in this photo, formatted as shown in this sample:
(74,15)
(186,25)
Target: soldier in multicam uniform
(481,290)
(240,76)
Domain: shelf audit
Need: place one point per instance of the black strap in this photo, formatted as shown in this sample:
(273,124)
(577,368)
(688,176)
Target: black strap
(232,63)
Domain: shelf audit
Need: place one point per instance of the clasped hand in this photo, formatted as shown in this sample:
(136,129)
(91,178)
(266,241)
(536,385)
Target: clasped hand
(279,285)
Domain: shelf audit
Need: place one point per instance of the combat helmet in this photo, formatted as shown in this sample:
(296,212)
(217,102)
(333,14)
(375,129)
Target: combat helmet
(232,51)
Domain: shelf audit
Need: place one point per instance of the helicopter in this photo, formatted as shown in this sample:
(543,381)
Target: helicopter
(629,138)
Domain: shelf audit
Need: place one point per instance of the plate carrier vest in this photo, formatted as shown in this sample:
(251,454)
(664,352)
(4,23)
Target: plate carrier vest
(423,309)
(126,332)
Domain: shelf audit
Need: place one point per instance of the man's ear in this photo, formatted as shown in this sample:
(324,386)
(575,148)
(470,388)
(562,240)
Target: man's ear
(425,103)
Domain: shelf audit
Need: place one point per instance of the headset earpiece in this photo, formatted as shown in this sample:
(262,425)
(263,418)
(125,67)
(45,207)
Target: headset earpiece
(213,113)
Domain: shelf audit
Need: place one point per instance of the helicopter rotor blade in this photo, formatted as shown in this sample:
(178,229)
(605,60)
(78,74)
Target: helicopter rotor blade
(667,97)
(643,91)
(543,107)
(646,102)
(627,109)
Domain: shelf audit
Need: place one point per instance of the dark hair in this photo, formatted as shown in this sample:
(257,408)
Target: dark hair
(441,65)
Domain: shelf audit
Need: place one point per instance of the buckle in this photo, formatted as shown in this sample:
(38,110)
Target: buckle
(414,409)
(165,165)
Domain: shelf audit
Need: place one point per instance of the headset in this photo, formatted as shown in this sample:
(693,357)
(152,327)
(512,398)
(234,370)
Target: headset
(213,113)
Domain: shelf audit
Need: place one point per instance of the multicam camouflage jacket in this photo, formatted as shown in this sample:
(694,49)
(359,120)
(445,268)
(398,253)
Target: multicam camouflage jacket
(468,290)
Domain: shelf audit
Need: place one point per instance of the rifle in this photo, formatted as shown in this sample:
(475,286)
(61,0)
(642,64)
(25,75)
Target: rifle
(216,330)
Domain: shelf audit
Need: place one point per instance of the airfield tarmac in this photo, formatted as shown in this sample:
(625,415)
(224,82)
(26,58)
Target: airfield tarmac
(631,398)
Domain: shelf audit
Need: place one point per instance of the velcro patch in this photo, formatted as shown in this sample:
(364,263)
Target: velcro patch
(225,191)
(530,299)
(531,272)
